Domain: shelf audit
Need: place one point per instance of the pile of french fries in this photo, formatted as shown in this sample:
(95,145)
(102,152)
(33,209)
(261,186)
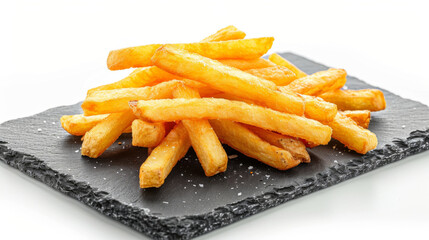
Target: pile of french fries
(220,90)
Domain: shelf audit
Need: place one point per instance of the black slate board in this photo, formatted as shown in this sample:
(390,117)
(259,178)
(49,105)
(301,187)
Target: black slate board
(190,204)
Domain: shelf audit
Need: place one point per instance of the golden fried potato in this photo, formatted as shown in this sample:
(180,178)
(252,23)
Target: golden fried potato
(365,99)
(140,77)
(318,109)
(227,33)
(164,157)
(277,59)
(226,79)
(318,83)
(295,146)
(279,75)
(361,117)
(248,143)
(100,137)
(146,134)
(231,49)
(215,108)
(207,146)
(356,138)
(78,125)
(243,64)
(116,100)
(315,108)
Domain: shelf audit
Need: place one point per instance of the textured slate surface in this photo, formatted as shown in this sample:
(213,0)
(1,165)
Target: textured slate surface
(190,204)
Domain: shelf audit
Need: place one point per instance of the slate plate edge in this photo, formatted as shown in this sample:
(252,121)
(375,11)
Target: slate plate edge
(194,225)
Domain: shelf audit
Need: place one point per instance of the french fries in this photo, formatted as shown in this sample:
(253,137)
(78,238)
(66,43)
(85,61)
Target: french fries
(207,146)
(248,143)
(164,157)
(318,83)
(361,117)
(141,77)
(226,79)
(78,125)
(116,100)
(247,64)
(277,59)
(356,138)
(220,90)
(365,99)
(227,33)
(292,145)
(145,134)
(318,109)
(206,108)
(232,49)
(279,75)
(100,137)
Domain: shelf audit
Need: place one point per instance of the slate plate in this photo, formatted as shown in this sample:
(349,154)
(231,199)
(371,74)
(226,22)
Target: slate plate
(190,204)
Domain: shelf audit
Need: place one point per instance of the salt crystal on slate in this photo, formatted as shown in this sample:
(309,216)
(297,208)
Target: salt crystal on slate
(76,151)
(165,202)
(239,194)
(250,167)
(39,129)
(201,185)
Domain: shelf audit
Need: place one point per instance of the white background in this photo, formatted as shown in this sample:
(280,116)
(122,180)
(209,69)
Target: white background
(51,52)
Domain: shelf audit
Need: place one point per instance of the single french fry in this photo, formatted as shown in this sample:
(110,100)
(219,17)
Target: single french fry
(295,146)
(78,125)
(141,56)
(164,157)
(100,137)
(141,77)
(245,141)
(365,99)
(247,64)
(315,108)
(216,108)
(318,109)
(226,79)
(361,117)
(116,100)
(279,75)
(356,138)
(227,33)
(318,83)
(207,146)
(146,134)
(277,59)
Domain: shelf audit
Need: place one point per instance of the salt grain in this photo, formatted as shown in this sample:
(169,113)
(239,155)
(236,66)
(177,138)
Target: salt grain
(165,202)
(250,167)
(239,194)
(39,129)
(201,185)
